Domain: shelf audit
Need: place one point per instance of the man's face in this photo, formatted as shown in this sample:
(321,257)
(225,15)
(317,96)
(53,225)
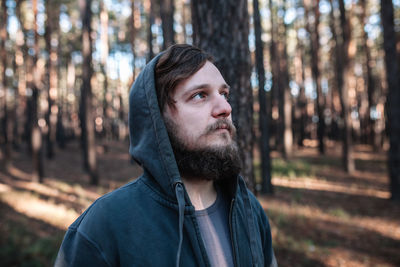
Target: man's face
(202,115)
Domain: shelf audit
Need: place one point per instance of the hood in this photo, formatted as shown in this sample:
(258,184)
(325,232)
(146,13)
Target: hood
(149,141)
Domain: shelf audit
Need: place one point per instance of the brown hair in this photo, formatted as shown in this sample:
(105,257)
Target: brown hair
(178,63)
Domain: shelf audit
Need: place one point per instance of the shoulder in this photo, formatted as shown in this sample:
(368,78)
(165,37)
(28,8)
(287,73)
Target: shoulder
(106,208)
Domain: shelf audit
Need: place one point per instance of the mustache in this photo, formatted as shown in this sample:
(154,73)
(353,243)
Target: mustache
(222,124)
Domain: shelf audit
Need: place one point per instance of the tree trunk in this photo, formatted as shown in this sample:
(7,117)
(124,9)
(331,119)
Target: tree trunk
(20,104)
(266,185)
(36,134)
(221,28)
(314,45)
(285,103)
(344,74)
(167,18)
(103,67)
(4,118)
(87,122)
(52,12)
(369,79)
(274,65)
(150,15)
(132,38)
(302,100)
(393,98)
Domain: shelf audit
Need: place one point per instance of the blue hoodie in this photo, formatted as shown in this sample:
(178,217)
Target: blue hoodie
(151,221)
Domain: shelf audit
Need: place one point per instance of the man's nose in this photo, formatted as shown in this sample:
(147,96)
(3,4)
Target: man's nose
(221,107)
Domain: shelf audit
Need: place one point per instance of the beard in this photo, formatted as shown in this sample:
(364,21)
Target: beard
(212,163)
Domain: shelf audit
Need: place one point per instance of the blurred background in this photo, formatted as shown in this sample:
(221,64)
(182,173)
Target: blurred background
(315,91)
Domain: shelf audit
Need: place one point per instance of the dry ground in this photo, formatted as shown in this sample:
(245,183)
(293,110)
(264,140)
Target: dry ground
(319,215)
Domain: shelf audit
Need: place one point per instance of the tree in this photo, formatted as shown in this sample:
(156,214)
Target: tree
(314,50)
(284,97)
(132,36)
(368,78)
(393,99)
(150,22)
(87,121)
(4,118)
(35,131)
(167,17)
(103,67)
(221,28)
(344,71)
(51,36)
(266,185)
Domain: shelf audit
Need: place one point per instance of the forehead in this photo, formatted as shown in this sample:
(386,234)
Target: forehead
(208,75)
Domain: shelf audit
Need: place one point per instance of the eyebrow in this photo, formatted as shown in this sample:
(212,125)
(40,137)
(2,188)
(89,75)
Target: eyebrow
(205,85)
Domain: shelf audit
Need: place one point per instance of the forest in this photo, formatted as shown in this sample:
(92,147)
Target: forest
(315,96)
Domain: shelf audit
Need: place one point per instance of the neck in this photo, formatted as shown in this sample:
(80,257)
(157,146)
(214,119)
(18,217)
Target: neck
(202,193)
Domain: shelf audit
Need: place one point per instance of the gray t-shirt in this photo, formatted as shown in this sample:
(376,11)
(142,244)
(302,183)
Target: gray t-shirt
(214,228)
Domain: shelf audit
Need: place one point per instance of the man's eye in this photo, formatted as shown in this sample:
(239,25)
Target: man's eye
(226,95)
(199,95)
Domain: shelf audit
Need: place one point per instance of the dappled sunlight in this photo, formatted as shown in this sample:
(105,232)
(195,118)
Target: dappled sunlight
(78,198)
(57,215)
(385,227)
(18,173)
(329,235)
(312,184)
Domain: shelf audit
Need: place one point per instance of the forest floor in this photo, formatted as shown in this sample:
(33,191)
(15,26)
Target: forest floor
(319,215)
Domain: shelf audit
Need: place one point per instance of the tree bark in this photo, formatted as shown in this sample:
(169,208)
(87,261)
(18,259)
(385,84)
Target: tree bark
(221,28)
(274,64)
(36,134)
(132,38)
(103,67)
(344,71)
(393,98)
(150,16)
(51,36)
(167,9)
(266,185)
(302,100)
(4,118)
(314,45)
(284,96)
(87,122)
(369,79)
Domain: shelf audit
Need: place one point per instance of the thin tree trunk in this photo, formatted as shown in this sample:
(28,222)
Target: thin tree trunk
(4,118)
(393,98)
(103,67)
(52,11)
(133,37)
(167,8)
(285,103)
(343,83)
(314,45)
(222,28)
(36,134)
(369,80)
(87,122)
(274,65)
(302,100)
(150,15)
(266,185)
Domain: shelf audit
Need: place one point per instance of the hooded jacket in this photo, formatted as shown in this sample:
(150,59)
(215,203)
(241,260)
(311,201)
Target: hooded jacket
(150,221)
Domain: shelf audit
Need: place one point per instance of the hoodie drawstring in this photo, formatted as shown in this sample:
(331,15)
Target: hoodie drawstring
(180,196)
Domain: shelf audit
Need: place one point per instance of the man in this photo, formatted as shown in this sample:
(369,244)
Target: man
(190,207)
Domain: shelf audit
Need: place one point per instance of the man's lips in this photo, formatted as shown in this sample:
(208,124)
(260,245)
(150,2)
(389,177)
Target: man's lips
(223,127)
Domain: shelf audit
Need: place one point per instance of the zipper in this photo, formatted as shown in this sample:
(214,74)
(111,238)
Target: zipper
(231,230)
